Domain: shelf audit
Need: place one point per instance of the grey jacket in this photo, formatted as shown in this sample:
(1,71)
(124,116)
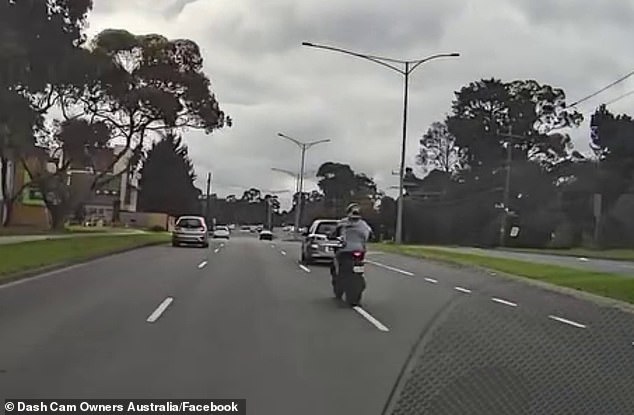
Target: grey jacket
(355,234)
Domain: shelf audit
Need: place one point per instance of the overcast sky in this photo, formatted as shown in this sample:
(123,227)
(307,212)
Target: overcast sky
(269,83)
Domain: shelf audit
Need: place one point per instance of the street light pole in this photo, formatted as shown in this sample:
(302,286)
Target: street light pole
(303,147)
(409,67)
(399,209)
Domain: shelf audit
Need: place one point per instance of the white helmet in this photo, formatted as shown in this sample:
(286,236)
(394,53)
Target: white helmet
(353,210)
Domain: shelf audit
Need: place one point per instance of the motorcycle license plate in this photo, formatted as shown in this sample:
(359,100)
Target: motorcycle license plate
(358,269)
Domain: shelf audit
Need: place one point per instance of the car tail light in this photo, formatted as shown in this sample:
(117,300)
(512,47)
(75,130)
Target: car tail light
(358,255)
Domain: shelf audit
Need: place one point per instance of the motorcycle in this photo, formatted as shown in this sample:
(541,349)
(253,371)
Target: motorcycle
(348,275)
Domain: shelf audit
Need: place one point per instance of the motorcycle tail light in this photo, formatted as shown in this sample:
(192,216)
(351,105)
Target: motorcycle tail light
(358,255)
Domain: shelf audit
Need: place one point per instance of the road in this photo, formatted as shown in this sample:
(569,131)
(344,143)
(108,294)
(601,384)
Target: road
(590,264)
(243,319)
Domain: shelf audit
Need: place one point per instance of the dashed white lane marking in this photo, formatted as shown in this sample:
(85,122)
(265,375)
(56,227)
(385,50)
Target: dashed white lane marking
(400,271)
(371,319)
(216,250)
(462,290)
(433,281)
(202,264)
(283,252)
(505,302)
(569,322)
(160,310)
(583,259)
(305,268)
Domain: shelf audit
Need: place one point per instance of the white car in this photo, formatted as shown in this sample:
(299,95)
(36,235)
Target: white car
(266,235)
(221,232)
(190,230)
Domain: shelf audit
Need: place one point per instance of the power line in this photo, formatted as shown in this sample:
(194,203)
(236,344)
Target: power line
(627,94)
(605,88)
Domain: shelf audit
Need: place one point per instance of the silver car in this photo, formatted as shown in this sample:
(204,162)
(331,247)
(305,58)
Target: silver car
(191,230)
(316,245)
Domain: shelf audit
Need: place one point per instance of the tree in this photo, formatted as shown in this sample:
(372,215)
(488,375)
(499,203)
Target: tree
(37,42)
(438,150)
(252,195)
(167,179)
(142,85)
(485,110)
(341,185)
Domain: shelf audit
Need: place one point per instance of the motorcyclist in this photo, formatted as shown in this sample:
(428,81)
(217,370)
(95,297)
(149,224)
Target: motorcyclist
(354,232)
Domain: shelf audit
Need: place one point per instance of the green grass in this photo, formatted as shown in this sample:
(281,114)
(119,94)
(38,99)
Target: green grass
(71,229)
(616,254)
(37,254)
(600,283)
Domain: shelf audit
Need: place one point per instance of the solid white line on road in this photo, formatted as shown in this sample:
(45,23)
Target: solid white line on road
(462,290)
(283,252)
(160,310)
(371,319)
(202,264)
(433,281)
(305,268)
(44,275)
(583,259)
(501,301)
(400,271)
(570,322)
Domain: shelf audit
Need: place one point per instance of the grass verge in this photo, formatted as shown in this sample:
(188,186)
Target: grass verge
(21,257)
(616,254)
(600,283)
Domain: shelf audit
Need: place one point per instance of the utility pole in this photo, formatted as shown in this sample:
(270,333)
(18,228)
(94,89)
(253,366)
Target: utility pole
(303,147)
(208,202)
(405,68)
(507,188)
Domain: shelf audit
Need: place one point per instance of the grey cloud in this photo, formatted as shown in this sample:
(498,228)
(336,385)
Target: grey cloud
(582,15)
(269,83)
(177,7)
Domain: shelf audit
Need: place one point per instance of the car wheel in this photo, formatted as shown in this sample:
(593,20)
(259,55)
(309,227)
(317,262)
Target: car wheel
(175,244)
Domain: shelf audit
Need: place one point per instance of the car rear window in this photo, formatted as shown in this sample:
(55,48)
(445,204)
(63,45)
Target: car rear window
(190,223)
(326,228)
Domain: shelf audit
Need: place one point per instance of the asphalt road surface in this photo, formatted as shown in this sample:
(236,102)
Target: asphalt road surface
(243,319)
(590,264)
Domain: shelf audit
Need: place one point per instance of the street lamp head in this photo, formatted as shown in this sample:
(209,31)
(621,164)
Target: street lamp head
(454,55)
(307,44)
